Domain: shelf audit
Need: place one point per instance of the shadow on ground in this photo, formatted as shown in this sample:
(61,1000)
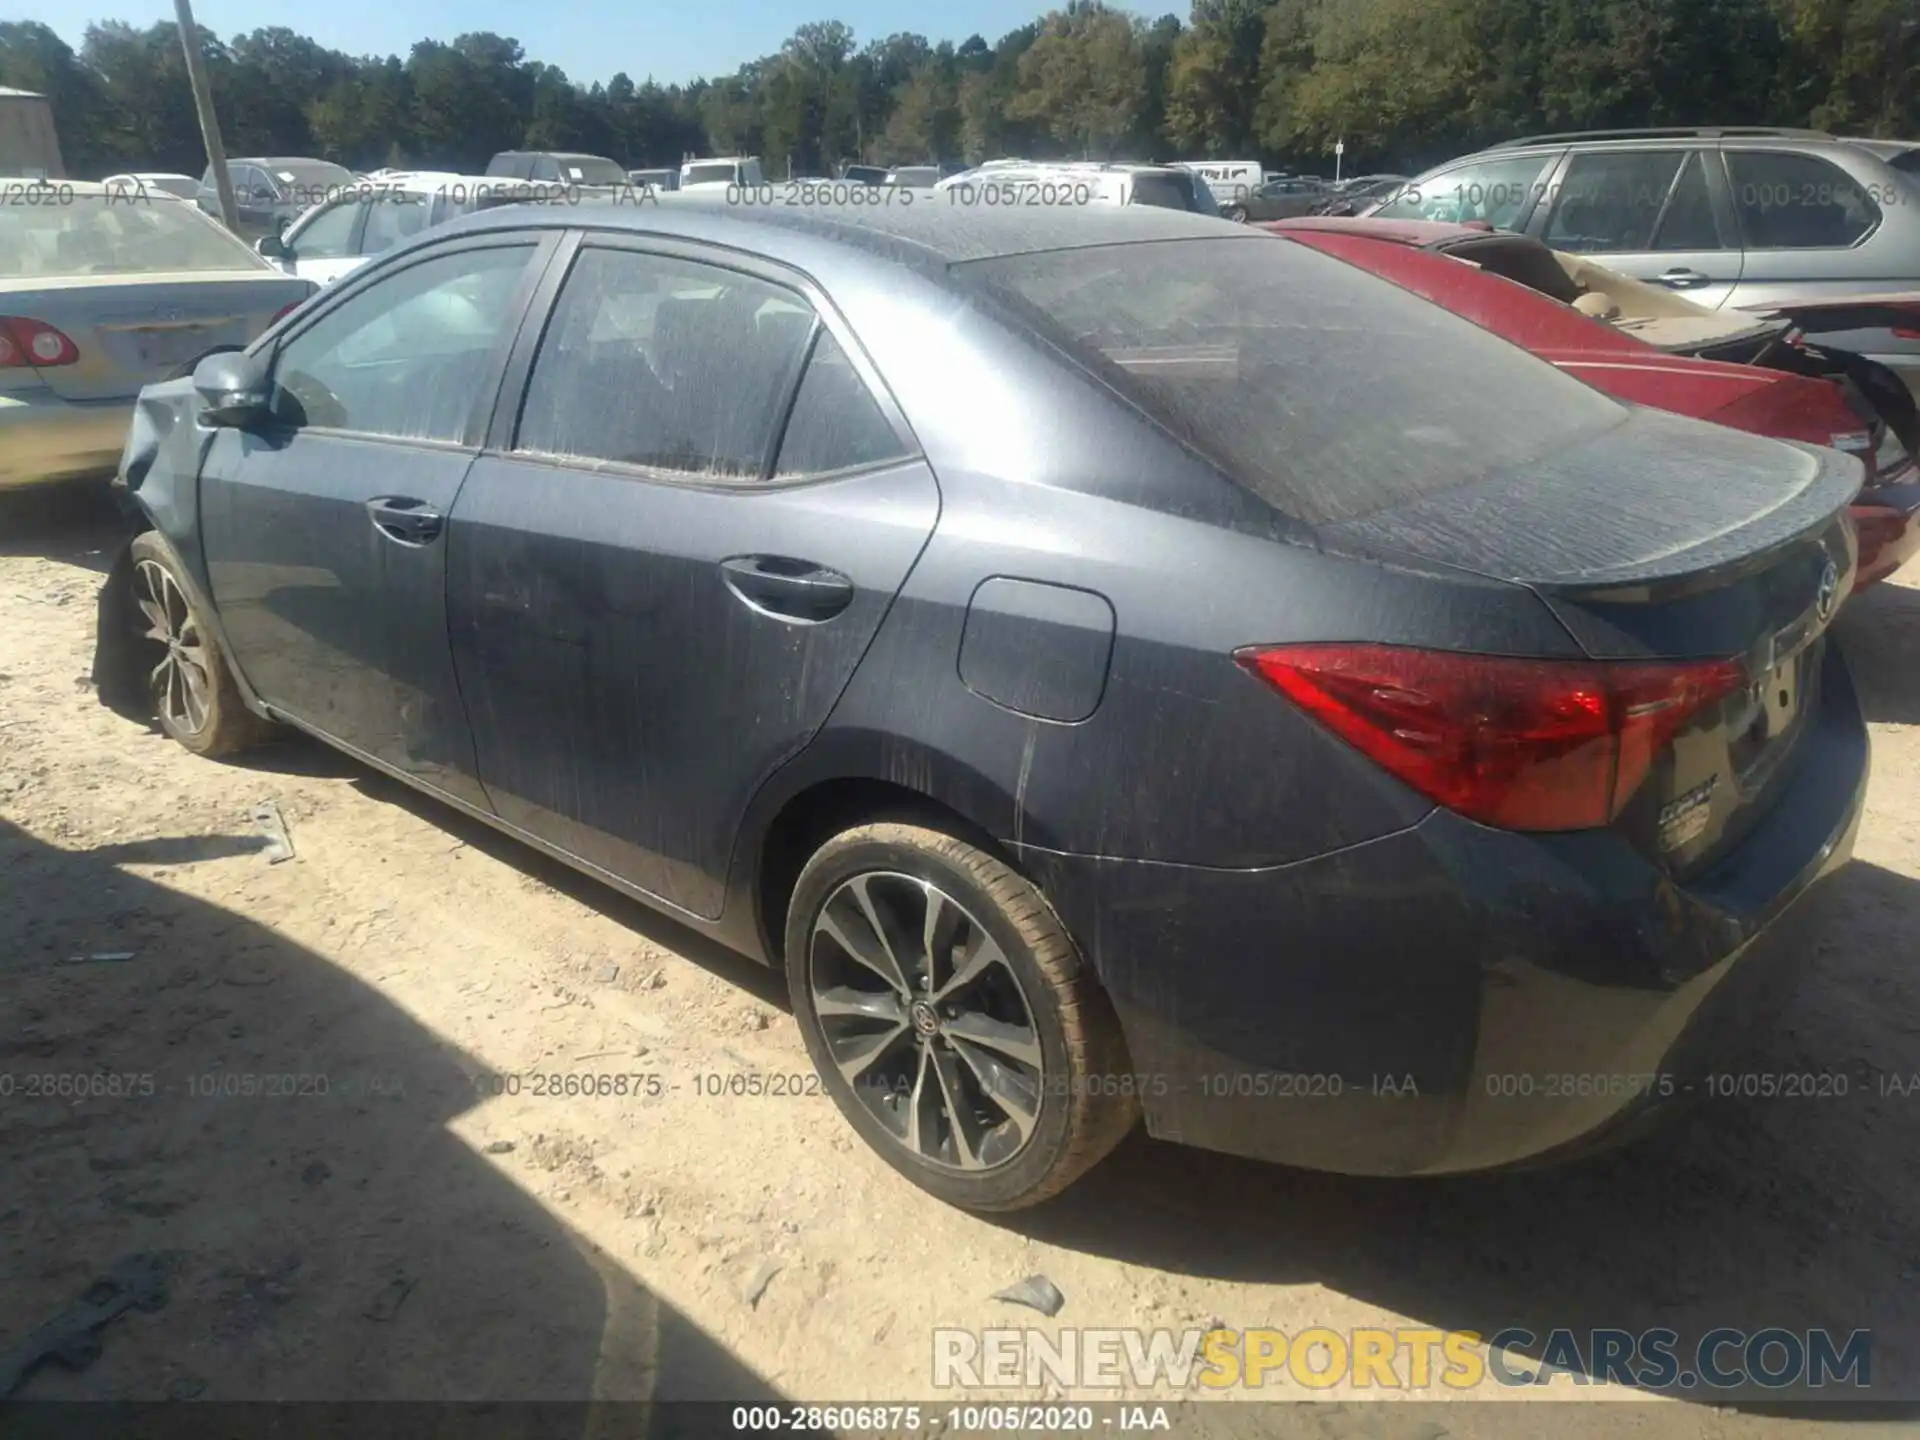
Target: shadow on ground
(1751,1213)
(280,1139)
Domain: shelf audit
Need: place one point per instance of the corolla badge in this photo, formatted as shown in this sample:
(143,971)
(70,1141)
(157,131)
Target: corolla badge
(1828,595)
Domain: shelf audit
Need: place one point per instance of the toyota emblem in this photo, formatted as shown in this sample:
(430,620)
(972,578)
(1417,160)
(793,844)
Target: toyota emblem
(1828,595)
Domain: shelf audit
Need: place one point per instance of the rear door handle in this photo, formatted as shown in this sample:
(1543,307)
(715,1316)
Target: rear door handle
(1681,278)
(402,518)
(781,585)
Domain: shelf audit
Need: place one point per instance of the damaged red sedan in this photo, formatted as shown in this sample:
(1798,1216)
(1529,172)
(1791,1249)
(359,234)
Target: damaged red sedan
(1762,372)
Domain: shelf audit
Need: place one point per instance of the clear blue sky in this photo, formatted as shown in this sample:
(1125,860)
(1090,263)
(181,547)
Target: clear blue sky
(675,41)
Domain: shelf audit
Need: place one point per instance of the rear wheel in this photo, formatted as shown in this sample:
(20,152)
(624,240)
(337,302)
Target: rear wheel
(952,1019)
(1236,213)
(194,694)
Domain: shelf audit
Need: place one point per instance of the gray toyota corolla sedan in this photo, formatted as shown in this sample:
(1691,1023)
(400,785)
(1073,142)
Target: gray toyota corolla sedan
(1119,665)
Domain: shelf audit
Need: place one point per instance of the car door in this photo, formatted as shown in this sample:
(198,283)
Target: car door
(1811,229)
(325,245)
(1647,212)
(658,587)
(324,524)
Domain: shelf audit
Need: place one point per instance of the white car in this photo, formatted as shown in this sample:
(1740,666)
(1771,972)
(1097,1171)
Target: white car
(722,171)
(153,182)
(342,233)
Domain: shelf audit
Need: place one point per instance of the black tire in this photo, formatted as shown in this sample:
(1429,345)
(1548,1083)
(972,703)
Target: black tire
(1236,213)
(1082,1103)
(195,697)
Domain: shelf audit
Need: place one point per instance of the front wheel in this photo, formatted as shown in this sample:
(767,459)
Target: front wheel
(952,1019)
(195,696)
(1236,213)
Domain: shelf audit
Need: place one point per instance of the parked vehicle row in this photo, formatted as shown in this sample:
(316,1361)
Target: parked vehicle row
(1122,665)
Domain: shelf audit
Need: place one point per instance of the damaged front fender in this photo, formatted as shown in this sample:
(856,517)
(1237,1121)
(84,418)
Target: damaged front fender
(157,486)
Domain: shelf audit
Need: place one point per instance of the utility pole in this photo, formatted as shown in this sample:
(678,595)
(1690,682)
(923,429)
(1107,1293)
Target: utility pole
(209,122)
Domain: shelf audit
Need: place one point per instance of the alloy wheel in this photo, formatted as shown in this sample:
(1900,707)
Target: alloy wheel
(182,683)
(926,1020)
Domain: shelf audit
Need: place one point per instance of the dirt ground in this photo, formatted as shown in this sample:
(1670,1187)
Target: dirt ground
(412,1233)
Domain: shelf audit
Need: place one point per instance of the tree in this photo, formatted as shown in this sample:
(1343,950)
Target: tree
(1213,86)
(1084,78)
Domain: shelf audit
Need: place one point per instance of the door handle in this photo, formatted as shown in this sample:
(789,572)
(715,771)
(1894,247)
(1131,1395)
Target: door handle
(1681,278)
(781,585)
(410,521)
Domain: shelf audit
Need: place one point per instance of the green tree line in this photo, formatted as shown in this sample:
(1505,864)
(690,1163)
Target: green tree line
(1403,82)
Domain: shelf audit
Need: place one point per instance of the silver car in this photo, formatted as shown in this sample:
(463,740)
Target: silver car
(1733,217)
(102,292)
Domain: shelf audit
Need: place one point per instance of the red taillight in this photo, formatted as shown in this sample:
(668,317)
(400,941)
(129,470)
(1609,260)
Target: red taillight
(1901,332)
(283,312)
(1521,744)
(33,344)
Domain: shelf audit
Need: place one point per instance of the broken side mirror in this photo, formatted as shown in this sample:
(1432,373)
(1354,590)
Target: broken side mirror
(233,389)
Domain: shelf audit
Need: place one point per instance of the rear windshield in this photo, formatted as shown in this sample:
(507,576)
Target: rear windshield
(309,174)
(709,174)
(1168,192)
(1327,391)
(115,234)
(590,170)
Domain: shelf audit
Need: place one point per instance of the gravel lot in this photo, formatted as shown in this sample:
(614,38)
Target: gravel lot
(410,1233)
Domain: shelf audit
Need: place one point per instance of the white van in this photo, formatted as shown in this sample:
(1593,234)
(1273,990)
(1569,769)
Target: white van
(723,171)
(1230,180)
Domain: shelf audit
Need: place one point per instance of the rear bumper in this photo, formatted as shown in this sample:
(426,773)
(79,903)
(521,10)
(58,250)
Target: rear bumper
(1452,997)
(1888,521)
(44,439)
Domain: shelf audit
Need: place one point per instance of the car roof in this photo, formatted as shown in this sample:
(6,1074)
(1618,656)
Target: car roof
(928,230)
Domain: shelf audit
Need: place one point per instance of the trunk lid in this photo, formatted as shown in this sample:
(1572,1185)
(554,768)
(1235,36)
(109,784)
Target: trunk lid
(1668,539)
(135,330)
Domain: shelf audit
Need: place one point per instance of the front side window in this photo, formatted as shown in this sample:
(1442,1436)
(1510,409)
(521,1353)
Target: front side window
(394,217)
(329,234)
(1611,200)
(1495,191)
(1798,202)
(664,363)
(408,356)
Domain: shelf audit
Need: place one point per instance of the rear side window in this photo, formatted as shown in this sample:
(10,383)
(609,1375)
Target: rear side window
(1798,202)
(1325,390)
(836,423)
(1908,161)
(1611,200)
(665,363)
(1688,222)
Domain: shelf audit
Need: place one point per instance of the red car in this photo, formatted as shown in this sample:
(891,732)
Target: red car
(1757,372)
